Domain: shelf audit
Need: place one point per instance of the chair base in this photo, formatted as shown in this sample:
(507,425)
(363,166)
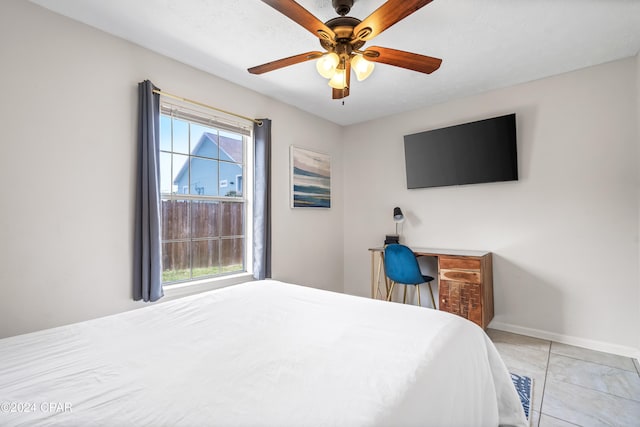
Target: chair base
(417,287)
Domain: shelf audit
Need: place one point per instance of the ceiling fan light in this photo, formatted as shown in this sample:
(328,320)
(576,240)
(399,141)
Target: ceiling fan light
(339,79)
(327,64)
(361,67)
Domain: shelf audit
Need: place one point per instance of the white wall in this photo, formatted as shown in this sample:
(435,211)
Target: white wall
(67,170)
(638,152)
(564,237)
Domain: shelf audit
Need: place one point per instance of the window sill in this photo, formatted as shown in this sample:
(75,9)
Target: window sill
(183,289)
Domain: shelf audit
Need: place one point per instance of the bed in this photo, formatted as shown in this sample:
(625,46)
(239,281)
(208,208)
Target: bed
(261,353)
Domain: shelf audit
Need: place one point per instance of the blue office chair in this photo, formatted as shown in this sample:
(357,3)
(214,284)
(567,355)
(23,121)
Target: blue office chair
(401,266)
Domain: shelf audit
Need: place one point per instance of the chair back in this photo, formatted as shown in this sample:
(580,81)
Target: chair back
(401,265)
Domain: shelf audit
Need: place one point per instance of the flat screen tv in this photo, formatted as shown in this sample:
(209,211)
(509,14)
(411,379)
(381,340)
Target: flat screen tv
(470,153)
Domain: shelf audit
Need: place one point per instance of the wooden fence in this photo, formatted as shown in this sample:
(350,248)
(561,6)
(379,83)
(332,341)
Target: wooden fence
(202,234)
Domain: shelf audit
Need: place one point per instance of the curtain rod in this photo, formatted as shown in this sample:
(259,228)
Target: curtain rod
(179,98)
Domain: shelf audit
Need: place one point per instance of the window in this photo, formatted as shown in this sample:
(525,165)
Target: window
(203,163)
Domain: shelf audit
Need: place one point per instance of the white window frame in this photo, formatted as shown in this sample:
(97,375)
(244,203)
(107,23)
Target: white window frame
(221,122)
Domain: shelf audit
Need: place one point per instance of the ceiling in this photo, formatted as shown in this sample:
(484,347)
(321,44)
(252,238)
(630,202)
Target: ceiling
(484,45)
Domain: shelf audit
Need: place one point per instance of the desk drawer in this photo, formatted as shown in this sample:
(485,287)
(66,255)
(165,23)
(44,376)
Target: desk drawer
(461,276)
(447,263)
(463,299)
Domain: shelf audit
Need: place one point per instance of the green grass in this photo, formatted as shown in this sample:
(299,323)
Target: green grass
(170,276)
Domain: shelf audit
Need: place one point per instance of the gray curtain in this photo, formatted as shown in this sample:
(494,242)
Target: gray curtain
(147,263)
(262,200)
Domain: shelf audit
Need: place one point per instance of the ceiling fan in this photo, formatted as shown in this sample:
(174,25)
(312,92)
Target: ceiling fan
(344,36)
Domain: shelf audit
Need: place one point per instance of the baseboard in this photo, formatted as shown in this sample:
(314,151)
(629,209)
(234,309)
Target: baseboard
(606,347)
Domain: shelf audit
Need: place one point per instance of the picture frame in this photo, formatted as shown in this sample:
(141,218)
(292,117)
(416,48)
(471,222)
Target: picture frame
(310,178)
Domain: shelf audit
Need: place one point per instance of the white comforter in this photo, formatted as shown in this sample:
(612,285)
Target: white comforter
(259,354)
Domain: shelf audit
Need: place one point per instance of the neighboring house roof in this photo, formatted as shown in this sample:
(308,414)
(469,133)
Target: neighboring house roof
(229,150)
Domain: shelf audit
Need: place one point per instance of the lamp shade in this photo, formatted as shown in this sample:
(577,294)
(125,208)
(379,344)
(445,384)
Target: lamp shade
(327,64)
(397,215)
(339,79)
(361,67)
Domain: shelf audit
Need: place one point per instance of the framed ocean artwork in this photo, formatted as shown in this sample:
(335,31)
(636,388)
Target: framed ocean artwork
(310,179)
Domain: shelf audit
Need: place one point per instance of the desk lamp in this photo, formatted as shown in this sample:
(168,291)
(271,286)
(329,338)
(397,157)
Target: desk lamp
(398,218)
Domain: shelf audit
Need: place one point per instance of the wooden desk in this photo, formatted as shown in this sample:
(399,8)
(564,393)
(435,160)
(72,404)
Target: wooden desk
(465,281)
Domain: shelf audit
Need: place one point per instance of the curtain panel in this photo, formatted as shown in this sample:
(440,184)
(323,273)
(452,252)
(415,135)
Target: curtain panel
(147,264)
(262,200)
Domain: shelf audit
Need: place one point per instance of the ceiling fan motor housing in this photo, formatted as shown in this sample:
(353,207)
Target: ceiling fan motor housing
(342,26)
(342,7)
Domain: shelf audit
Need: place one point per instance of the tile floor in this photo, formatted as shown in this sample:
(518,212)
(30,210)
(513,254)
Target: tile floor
(573,386)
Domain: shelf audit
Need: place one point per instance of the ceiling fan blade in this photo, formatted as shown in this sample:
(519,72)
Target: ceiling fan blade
(385,16)
(284,62)
(343,93)
(302,17)
(400,58)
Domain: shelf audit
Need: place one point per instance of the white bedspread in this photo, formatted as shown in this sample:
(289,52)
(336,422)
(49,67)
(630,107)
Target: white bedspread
(259,354)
